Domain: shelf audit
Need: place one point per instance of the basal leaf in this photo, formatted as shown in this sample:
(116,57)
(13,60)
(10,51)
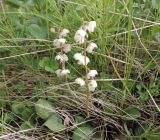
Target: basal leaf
(132,113)
(44,62)
(37,32)
(18,108)
(43,108)
(83,132)
(54,123)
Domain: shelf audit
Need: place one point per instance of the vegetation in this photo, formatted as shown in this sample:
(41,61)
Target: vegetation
(37,104)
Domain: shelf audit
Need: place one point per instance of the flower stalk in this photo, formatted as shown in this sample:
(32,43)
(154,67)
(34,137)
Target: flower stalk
(82,59)
(61,57)
(88,94)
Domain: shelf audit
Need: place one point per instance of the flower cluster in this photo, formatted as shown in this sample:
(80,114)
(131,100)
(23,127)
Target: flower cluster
(82,32)
(81,58)
(64,48)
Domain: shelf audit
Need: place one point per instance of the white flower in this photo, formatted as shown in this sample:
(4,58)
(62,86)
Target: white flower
(53,30)
(80,81)
(80,36)
(59,42)
(91,47)
(90,26)
(60,72)
(61,57)
(63,33)
(92,74)
(65,72)
(67,48)
(82,60)
(92,85)
(78,56)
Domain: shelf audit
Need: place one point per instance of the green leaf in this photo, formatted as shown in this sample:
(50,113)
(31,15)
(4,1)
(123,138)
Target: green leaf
(141,129)
(79,119)
(22,110)
(43,108)
(18,108)
(49,69)
(143,96)
(44,62)
(26,113)
(132,113)
(49,64)
(26,125)
(37,32)
(54,123)
(83,132)
(53,66)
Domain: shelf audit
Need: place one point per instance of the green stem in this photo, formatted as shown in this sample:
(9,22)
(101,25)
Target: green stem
(88,97)
(63,62)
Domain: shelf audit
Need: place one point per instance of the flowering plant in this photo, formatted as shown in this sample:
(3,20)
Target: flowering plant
(64,48)
(80,37)
(82,59)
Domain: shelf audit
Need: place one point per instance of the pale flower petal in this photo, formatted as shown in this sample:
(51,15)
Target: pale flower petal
(65,72)
(59,42)
(92,85)
(91,47)
(92,74)
(78,56)
(64,33)
(82,60)
(61,72)
(80,36)
(61,57)
(80,81)
(90,26)
(53,30)
(67,48)
(58,72)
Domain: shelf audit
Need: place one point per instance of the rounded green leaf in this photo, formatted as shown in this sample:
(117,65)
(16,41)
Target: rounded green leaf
(82,132)
(37,32)
(49,69)
(44,62)
(26,125)
(43,108)
(49,64)
(132,113)
(79,119)
(55,123)
(141,129)
(18,108)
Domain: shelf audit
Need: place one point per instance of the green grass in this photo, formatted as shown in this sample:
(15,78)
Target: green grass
(126,104)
